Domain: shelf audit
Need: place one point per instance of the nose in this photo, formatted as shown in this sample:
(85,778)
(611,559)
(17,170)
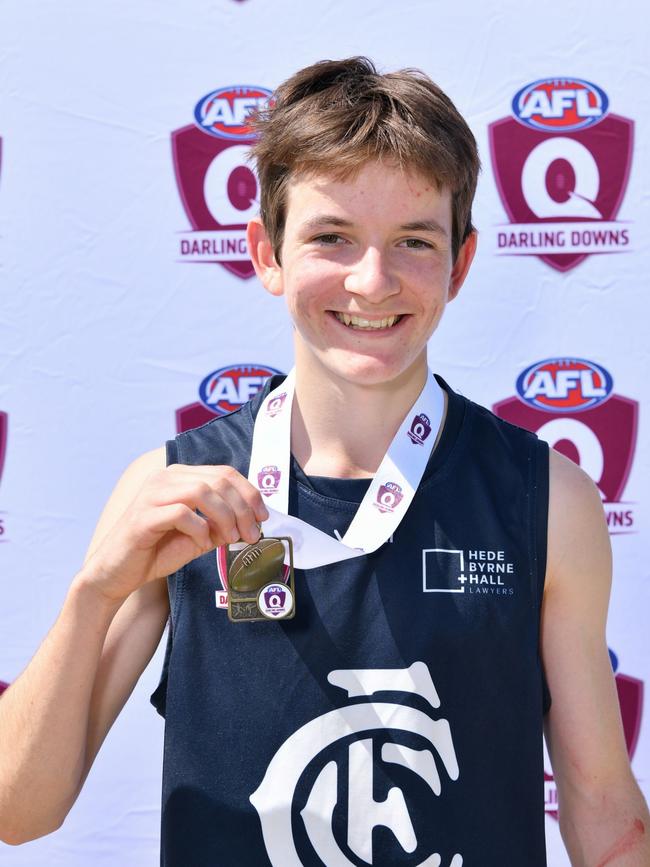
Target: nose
(371,277)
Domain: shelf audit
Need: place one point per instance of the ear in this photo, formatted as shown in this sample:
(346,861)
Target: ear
(462,264)
(260,250)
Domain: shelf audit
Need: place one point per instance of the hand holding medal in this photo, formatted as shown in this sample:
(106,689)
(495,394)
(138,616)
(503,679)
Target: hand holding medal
(260,576)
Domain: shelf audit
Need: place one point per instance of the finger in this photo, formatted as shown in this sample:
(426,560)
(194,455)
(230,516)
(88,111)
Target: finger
(195,493)
(247,524)
(216,475)
(251,496)
(179,517)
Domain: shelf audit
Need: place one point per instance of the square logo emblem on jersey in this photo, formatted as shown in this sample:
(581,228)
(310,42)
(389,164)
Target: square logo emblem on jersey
(483,572)
(443,570)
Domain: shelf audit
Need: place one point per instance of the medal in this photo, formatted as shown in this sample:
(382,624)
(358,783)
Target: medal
(261,585)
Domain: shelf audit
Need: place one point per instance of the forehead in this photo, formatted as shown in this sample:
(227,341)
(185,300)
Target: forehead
(376,190)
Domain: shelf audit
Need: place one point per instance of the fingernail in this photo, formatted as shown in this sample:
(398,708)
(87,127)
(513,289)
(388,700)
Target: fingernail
(234,536)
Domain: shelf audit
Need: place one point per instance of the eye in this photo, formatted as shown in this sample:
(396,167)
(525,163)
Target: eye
(330,239)
(416,244)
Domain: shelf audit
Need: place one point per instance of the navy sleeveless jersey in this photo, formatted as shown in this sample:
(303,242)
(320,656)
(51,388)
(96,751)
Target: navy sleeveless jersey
(397,719)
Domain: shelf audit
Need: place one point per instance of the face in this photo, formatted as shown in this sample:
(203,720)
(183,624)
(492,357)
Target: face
(366,270)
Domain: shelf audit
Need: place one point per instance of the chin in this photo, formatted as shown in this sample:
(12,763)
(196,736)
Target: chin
(368,371)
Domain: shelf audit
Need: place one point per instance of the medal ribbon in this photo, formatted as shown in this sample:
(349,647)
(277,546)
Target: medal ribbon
(387,499)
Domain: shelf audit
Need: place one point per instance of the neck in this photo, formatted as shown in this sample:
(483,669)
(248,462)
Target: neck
(343,430)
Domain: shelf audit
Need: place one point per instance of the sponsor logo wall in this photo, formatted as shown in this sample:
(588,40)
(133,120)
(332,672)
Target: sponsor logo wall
(113,338)
(562,162)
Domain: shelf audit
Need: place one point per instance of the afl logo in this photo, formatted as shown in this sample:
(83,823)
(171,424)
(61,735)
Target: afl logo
(560,104)
(564,385)
(224,112)
(225,390)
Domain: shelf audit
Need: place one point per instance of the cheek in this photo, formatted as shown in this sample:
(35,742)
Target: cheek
(311,284)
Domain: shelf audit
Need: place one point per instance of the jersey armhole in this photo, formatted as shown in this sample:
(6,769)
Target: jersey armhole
(539,526)
(158,698)
(171,448)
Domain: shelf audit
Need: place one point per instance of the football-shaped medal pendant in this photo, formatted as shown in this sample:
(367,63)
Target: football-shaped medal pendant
(260,583)
(256,565)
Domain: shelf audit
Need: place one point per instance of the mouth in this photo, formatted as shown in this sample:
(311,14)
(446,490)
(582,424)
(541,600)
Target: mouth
(359,323)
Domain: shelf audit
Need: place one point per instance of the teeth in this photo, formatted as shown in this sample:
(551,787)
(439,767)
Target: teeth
(358,322)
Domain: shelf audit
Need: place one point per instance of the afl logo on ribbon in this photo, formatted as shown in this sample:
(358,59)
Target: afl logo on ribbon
(561,164)
(274,405)
(324,791)
(223,391)
(389,496)
(570,403)
(420,429)
(268,480)
(217,186)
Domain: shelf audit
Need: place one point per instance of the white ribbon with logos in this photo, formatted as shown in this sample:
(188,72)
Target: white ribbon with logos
(387,499)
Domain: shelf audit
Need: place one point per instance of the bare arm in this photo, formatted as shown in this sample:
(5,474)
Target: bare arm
(603,817)
(58,712)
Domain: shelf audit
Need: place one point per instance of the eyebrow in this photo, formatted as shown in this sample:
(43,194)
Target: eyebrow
(322,220)
(424,226)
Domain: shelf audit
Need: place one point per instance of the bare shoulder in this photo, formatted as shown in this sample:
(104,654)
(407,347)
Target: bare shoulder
(578,540)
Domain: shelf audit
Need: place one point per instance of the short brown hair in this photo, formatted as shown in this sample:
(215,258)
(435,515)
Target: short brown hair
(336,115)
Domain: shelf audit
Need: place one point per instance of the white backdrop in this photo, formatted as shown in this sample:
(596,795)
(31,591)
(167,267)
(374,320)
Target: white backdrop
(107,330)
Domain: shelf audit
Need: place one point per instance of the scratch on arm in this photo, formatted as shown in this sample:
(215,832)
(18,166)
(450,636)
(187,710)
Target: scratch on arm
(624,844)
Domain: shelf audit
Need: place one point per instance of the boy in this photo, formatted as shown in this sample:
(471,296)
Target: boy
(392,716)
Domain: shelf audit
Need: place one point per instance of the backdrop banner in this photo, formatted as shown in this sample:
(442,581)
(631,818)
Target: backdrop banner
(130,310)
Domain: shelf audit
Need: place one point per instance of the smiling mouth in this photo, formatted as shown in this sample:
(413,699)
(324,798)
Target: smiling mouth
(358,323)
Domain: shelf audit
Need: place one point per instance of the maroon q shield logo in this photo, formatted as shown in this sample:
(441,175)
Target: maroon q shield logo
(218,188)
(600,440)
(389,496)
(275,404)
(600,437)
(561,165)
(420,429)
(268,480)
